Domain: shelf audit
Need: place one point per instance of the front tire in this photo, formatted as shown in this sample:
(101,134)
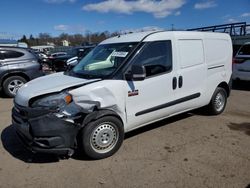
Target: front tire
(103,137)
(218,101)
(12,84)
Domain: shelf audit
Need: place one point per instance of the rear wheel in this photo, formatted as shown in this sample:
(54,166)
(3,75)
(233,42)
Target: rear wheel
(12,84)
(218,101)
(102,137)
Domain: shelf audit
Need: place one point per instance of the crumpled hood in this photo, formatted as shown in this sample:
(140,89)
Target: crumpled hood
(47,84)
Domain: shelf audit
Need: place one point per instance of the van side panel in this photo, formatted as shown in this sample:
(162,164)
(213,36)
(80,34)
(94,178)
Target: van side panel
(218,55)
(191,52)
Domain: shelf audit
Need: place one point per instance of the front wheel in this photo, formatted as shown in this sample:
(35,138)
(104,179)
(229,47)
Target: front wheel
(218,101)
(12,84)
(102,137)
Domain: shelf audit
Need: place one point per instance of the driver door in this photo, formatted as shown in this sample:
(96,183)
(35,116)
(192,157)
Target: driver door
(150,99)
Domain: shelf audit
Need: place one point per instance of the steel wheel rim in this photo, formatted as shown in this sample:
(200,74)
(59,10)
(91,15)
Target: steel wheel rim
(104,137)
(14,85)
(219,101)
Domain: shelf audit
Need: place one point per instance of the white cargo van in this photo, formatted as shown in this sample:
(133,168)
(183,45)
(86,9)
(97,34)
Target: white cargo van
(126,82)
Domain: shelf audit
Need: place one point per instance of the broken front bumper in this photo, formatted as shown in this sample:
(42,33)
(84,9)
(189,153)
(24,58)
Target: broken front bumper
(42,131)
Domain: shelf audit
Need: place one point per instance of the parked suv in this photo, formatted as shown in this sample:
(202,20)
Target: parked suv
(241,66)
(17,66)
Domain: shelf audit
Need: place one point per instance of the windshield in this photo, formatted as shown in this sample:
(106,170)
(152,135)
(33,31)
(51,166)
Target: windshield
(103,60)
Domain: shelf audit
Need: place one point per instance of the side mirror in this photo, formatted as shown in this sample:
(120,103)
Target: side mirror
(137,73)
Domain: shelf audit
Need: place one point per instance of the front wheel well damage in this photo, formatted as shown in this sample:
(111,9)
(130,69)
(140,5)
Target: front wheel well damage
(98,114)
(92,116)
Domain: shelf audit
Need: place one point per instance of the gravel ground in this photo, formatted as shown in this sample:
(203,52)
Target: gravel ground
(189,150)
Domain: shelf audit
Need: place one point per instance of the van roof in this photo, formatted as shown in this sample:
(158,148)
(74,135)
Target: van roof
(131,37)
(156,35)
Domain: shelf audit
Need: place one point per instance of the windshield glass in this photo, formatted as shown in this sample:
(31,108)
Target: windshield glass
(103,60)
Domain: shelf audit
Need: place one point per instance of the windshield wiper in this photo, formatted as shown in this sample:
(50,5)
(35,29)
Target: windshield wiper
(82,75)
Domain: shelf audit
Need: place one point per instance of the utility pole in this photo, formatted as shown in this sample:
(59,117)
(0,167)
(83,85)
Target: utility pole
(172,25)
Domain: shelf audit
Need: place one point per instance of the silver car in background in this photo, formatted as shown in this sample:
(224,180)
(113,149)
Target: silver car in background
(17,66)
(241,65)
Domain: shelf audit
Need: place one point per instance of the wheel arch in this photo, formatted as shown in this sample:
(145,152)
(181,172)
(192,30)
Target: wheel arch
(8,75)
(225,86)
(99,114)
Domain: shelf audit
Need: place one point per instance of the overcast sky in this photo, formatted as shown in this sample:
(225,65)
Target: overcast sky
(27,17)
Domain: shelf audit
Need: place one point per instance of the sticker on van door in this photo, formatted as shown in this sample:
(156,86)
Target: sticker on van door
(133,93)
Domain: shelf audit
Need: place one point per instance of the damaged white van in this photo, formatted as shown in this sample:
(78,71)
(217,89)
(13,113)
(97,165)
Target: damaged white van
(126,82)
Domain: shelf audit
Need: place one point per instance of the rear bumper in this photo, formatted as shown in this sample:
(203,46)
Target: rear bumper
(241,75)
(242,71)
(45,133)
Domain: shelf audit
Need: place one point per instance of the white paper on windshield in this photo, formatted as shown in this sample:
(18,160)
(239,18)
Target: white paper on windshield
(119,54)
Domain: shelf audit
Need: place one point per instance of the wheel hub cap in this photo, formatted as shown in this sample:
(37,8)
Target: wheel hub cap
(219,102)
(14,86)
(104,138)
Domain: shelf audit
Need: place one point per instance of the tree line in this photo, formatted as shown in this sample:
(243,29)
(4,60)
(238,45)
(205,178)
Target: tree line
(74,39)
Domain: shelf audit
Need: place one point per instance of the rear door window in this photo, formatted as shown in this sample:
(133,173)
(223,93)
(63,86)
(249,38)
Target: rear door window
(9,54)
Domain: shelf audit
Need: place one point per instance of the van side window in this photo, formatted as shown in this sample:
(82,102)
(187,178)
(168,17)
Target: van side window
(8,54)
(156,57)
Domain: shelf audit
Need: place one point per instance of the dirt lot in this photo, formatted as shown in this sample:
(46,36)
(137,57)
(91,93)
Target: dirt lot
(190,150)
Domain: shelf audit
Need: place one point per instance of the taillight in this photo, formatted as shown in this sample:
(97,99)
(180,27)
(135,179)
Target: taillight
(233,60)
(238,61)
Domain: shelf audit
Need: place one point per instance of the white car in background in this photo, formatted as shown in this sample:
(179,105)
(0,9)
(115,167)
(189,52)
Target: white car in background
(241,66)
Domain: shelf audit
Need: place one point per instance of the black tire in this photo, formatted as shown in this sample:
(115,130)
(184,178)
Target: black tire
(12,84)
(103,137)
(218,102)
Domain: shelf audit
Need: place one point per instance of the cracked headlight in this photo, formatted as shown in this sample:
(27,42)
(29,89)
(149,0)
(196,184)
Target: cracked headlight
(53,101)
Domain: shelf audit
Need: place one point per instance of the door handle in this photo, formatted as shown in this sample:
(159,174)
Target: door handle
(180,81)
(174,83)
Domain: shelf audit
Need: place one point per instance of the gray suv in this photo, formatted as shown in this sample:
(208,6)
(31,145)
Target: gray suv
(17,66)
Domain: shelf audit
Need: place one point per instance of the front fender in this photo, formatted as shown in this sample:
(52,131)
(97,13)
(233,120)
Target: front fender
(99,114)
